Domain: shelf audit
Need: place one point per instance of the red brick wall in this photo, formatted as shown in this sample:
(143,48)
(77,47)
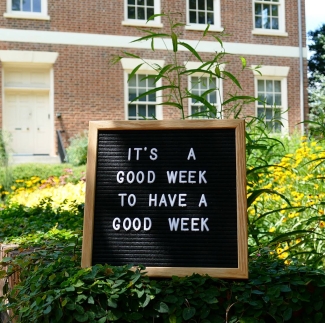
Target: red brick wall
(105,17)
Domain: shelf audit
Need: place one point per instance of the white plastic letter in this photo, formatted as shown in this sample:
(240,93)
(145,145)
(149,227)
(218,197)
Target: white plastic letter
(151,176)
(203,201)
(132,200)
(172,176)
(147,224)
(201,176)
(120,177)
(136,224)
(173,224)
(181,199)
(154,154)
(122,198)
(194,224)
(204,224)
(184,224)
(153,199)
(116,224)
(127,224)
(191,154)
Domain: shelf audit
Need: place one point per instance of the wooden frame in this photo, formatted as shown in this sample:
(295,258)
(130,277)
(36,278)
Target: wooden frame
(239,128)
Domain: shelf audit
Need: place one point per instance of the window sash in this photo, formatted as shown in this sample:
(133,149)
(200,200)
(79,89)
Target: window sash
(33,6)
(199,85)
(140,9)
(267,14)
(201,12)
(144,107)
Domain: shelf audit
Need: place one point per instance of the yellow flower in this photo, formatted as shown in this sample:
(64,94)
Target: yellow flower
(322,224)
(287,262)
(272,229)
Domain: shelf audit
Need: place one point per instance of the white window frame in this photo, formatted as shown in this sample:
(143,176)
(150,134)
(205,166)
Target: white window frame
(43,15)
(156,23)
(271,32)
(219,94)
(276,73)
(217,19)
(128,64)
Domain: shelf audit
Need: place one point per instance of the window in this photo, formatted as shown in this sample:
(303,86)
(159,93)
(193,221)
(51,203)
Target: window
(199,85)
(269,17)
(27,9)
(200,13)
(270,103)
(147,106)
(137,12)
(271,90)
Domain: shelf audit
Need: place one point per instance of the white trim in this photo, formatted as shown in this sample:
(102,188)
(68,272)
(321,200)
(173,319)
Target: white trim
(216,16)
(28,57)
(282,24)
(156,23)
(26,14)
(32,16)
(269,32)
(280,74)
(128,64)
(83,39)
(273,71)
(139,23)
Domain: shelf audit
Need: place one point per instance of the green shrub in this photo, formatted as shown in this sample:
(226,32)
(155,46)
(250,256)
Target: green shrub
(77,151)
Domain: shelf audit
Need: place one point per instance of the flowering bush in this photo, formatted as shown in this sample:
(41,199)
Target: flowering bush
(290,217)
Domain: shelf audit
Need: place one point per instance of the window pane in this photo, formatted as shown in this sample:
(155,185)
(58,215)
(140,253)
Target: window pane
(132,94)
(210,5)
(195,81)
(258,22)
(260,112)
(201,4)
(202,18)
(144,98)
(277,86)
(277,114)
(142,81)
(260,86)
(152,97)
(204,84)
(15,5)
(193,17)
(261,98)
(258,9)
(277,99)
(269,86)
(140,2)
(275,23)
(275,11)
(132,110)
(131,12)
(150,3)
(142,111)
(269,99)
(210,18)
(131,1)
(27,5)
(151,83)
(150,12)
(37,6)
(151,111)
(133,81)
(268,114)
(140,12)
(267,23)
(192,4)
(213,97)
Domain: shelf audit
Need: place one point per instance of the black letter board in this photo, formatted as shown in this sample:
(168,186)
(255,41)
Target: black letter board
(170,195)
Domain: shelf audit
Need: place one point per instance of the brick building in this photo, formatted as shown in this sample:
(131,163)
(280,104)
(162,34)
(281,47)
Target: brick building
(55,55)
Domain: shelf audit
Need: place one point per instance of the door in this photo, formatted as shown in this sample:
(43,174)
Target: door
(27,119)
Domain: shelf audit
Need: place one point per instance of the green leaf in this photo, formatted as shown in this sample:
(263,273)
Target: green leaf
(256,193)
(114,315)
(232,77)
(146,301)
(285,289)
(188,313)
(133,72)
(287,314)
(161,307)
(174,41)
(102,320)
(239,97)
(257,292)
(172,318)
(135,316)
(243,62)
(217,71)
(155,15)
(80,317)
(47,310)
(152,36)
(192,50)
(206,30)
(131,55)
(318,317)
(157,89)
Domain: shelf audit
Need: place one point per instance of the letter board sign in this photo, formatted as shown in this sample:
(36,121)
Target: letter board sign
(170,195)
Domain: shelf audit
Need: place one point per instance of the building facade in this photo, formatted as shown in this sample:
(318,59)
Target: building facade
(56,74)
